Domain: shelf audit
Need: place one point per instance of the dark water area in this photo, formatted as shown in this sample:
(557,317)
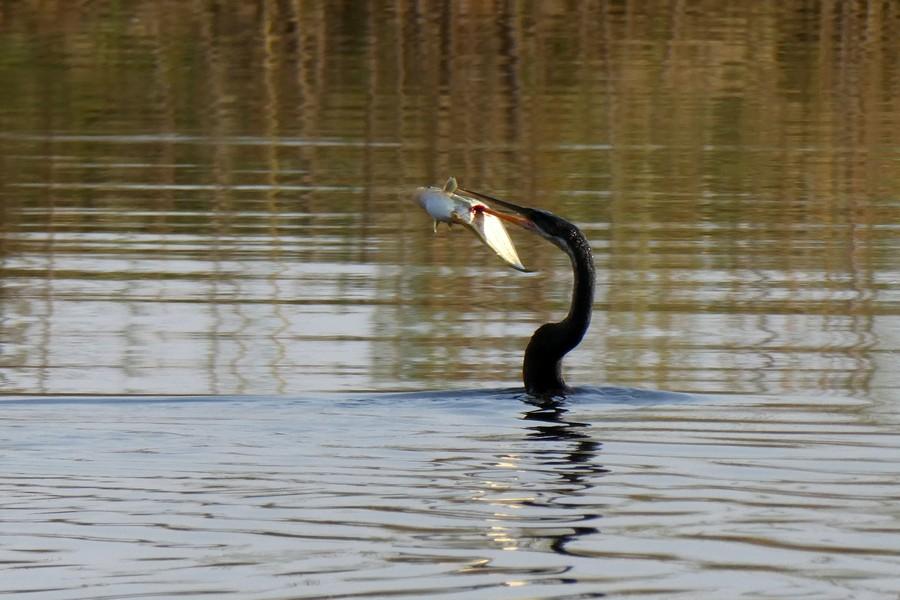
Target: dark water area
(235,360)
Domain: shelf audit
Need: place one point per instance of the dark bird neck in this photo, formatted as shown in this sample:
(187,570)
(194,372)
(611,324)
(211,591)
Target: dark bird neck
(542,369)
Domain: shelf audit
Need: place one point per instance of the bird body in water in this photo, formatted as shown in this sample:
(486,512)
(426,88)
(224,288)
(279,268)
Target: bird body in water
(542,366)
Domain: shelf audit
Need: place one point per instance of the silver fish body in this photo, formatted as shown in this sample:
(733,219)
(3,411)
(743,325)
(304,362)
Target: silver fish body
(446,207)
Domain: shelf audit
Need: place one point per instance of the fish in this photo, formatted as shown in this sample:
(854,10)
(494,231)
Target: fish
(444,205)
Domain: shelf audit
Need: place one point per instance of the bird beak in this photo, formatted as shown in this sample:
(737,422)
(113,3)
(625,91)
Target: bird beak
(518,218)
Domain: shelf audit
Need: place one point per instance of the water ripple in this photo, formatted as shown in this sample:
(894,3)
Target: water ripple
(443,493)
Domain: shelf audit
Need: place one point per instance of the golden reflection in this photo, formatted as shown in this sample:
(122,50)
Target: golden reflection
(735,170)
(271,70)
(560,462)
(502,537)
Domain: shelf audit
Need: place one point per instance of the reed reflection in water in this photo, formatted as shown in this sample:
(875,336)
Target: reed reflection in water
(196,205)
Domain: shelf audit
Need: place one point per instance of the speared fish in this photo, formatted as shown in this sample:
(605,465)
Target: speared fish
(444,205)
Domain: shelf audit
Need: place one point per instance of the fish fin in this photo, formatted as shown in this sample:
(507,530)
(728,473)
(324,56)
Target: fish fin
(451,185)
(492,232)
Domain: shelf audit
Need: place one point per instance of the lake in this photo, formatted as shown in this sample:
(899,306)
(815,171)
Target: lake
(236,360)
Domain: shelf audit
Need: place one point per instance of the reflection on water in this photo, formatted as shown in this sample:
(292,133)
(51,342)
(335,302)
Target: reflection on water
(195,205)
(475,495)
(206,200)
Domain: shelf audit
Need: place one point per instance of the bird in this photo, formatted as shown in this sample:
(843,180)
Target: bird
(542,364)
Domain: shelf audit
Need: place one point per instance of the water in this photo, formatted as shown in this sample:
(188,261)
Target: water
(449,495)
(236,361)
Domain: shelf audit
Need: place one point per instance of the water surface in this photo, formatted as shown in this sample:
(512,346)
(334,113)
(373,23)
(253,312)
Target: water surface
(195,205)
(212,275)
(449,495)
